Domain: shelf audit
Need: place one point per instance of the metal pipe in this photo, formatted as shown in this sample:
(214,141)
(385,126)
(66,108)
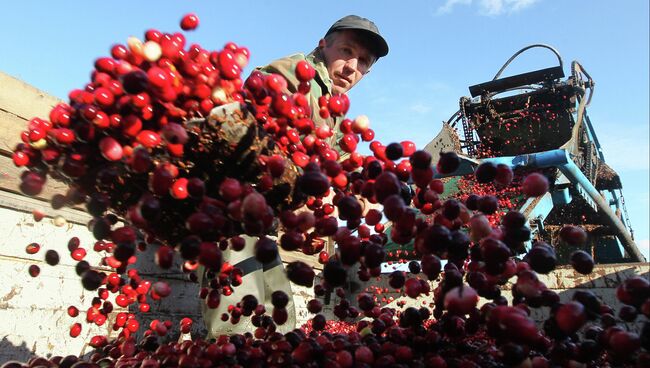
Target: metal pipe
(560,158)
(571,170)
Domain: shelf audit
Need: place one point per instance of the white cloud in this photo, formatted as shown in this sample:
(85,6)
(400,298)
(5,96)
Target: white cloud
(491,7)
(517,5)
(488,7)
(449,5)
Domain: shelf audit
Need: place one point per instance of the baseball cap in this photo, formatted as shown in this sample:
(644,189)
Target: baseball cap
(378,44)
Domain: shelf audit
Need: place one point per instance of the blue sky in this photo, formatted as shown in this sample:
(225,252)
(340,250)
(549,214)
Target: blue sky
(438,48)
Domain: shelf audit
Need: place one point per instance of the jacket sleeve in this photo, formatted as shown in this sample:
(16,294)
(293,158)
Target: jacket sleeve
(286,68)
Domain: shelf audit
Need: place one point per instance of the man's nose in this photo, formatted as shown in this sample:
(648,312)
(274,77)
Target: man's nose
(352,64)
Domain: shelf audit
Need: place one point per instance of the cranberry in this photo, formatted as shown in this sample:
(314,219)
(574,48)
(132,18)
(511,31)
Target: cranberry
(624,343)
(300,273)
(34,270)
(135,82)
(318,323)
(488,204)
(541,258)
(52,257)
(334,273)
(431,266)
(313,183)
(485,172)
(504,175)
(349,208)
(582,262)
(413,288)
(32,248)
(32,183)
(573,235)
(451,209)
(461,300)
(396,279)
(91,280)
(570,317)
(472,202)
(394,151)
(189,22)
(420,160)
(304,71)
(534,185)
(266,250)
(634,291)
(448,162)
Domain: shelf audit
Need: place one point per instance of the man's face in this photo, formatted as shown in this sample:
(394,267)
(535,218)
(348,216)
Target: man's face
(347,60)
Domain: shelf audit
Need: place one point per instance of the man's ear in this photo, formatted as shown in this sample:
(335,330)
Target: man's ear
(322,43)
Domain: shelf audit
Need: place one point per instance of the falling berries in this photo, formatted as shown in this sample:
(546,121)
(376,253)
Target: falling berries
(189,22)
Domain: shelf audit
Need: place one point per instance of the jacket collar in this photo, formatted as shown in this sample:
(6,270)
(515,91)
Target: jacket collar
(322,75)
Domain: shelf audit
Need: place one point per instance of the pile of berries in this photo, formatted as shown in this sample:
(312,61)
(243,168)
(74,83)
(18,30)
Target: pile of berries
(143,144)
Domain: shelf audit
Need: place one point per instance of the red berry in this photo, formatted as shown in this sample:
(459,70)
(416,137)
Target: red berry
(75,330)
(413,288)
(300,273)
(33,248)
(408,148)
(276,166)
(582,262)
(570,317)
(158,77)
(148,138)
(534,185)
(179,189)
(573,235)
(304,71)
(363,354)
(78,254)
(20,158)
(64,136)
(394,151)
(104,97)
(336,105)
(34,270)
(420,160)
(266,250)
(52,257)
(348,143)
(485,172)
(189,22)
(448,162)
(111,149)
(504,175)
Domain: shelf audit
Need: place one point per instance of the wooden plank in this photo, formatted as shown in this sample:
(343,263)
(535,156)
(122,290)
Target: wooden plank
(24,100)
(25,204)
(11,126)
(19,229)
(10,180)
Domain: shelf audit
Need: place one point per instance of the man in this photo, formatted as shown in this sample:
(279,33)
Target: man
(342,58)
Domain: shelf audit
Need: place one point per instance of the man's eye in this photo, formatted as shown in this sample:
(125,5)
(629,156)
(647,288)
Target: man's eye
(347,51)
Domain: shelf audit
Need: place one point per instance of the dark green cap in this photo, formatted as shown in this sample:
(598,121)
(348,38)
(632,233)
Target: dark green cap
(377,44)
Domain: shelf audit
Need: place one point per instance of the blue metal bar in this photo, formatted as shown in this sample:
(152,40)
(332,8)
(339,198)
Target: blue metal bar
(560,158)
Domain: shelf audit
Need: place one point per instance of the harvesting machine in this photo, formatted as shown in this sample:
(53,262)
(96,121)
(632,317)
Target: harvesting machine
(538,121)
